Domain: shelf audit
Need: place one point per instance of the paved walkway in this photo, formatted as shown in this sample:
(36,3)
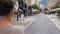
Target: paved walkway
(25,22)
(42,25)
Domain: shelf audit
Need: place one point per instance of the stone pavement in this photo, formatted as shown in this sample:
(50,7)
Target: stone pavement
(23,23)
(54,19)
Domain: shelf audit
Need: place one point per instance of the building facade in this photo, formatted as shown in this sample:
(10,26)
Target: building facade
(27,1)
(35,2)
(51,3)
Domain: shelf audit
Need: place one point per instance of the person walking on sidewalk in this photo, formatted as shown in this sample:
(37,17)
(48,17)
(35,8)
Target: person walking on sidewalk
(6,12)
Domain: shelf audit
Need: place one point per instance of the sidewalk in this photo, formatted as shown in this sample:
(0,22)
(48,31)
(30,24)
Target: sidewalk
(55,20)
(25,22)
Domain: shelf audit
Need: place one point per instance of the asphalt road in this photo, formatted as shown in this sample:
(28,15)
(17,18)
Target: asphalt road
(42,25)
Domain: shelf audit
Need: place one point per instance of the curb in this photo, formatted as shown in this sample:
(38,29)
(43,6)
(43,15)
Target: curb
(21,22)
(29,23)
(24,24)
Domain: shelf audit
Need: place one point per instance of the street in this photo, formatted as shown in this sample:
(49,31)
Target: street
(42,25)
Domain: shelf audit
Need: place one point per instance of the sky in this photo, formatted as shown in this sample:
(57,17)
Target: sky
(39,0)
(42,1)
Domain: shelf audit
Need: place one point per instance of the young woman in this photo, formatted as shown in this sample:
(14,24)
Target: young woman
(6,12)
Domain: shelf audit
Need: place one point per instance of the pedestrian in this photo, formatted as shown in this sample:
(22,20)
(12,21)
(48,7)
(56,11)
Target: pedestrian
(7,10)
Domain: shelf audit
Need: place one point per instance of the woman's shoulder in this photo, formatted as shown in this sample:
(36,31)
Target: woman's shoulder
(14,29)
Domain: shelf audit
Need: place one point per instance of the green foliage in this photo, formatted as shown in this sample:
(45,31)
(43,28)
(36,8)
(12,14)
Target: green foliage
(30,7)
(56,6)
(19,0)
(40,9)
(45,9)
(35,6)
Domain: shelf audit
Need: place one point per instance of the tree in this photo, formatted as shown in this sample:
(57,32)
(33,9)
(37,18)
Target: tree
(57,5)
(35,6)
(30,7)
(46,9)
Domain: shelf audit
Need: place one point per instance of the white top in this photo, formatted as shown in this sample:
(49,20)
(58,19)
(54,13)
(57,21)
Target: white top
(12,29)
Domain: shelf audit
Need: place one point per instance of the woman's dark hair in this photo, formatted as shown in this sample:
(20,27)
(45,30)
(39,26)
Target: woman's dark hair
(5,7)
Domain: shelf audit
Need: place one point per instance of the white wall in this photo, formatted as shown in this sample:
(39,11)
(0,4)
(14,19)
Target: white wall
(51,3)
(32,1)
